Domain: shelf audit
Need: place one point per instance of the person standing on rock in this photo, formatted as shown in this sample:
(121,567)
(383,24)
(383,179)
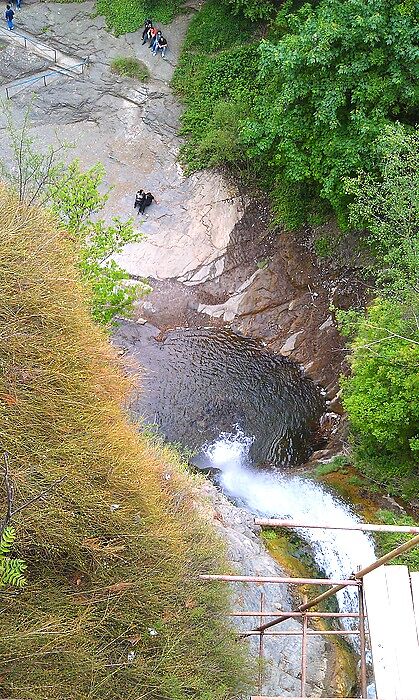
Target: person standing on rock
(161,45)
(9,14)
(147,26)
(148,199)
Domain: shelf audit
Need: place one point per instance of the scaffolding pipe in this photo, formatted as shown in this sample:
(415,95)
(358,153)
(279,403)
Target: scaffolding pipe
(295,633)
(262,598)
(304,652)
(363,669)
(359,575)
(278,579)
(367,527)
(257,613)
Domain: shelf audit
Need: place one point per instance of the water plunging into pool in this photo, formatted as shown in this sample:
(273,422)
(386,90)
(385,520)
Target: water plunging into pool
(277,494)
(248,413)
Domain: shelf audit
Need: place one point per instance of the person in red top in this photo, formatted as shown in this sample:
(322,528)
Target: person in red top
(152,32)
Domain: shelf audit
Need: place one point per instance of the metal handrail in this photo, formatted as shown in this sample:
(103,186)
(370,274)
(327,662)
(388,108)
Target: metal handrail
(356,576)
(44,76)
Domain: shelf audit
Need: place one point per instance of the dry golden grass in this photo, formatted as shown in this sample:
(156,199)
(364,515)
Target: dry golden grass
(101,580)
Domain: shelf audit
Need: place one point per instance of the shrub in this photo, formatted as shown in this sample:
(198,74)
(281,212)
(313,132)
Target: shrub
(130,67)
(382,394)
(124,16)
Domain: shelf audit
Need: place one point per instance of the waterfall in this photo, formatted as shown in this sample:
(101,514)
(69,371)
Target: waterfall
(270,494)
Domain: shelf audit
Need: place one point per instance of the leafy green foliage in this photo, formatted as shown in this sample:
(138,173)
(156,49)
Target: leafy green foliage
(387,541)
(382,394)
(130,67)
(124,16)
(388,207)
(216,87)
(11,570)
(253,9)
(319,95)
(214,29)
(332,84)
(75,199)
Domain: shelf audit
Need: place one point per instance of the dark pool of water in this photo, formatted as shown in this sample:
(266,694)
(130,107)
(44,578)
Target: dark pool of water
(198,383)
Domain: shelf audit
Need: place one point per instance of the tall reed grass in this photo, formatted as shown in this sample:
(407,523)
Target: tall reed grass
(113,608)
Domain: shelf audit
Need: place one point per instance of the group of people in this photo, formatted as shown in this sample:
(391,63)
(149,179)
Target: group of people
(157,41)
(143,200)
(9,13)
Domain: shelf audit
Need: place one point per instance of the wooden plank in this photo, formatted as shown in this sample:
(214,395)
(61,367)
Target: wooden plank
(381,634)
(414,582)
(403,627)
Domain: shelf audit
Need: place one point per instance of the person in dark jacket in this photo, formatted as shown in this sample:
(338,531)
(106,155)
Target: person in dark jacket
(9,14)
(161,45)
(155,41)
(139,198)
(147,26)
(148,199)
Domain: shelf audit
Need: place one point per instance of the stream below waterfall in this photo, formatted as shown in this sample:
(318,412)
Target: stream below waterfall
(248,415)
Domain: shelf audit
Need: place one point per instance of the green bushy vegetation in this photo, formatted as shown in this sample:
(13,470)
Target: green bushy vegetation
(130,67)
(215,77)
(387,541)
(309,104)
(112,607)
(253,9)
(381,395)
(124,16)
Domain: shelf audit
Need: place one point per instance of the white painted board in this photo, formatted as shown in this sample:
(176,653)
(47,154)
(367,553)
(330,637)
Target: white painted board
(403,628)
(414,582)
(381,635)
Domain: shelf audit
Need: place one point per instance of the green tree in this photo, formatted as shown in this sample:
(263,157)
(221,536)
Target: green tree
(75,198)
(331,85)
(381,396)
(388,207)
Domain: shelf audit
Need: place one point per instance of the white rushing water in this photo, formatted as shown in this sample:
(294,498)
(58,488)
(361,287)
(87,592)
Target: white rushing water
(338,553)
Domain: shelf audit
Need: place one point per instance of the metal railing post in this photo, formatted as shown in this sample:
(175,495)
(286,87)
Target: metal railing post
(362,642)
(304,653)
(261,644)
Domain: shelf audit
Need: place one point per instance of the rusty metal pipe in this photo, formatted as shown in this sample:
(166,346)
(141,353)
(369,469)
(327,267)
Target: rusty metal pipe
(358,575)
(367,527)
(295,633)
(278,579)
(257,613)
